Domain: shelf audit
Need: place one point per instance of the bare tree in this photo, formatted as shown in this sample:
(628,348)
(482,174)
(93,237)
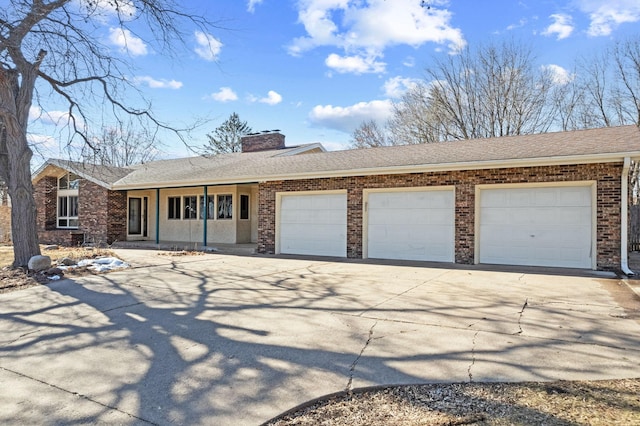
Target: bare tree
(121,146)
(626,55)
(51,48)
(495,90)
(227,137)
(369,135)
(609,84)
(414,118)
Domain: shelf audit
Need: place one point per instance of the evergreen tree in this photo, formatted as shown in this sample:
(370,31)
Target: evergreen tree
(227,137)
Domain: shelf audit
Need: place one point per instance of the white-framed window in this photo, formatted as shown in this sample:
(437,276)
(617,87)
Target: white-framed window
(174,208)
(225,206)
(209,209)
(67,217)
(190,207)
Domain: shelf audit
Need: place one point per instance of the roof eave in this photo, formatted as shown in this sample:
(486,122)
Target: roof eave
(37,175)
(413,168)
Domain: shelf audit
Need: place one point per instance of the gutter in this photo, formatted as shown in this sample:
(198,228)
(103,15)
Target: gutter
(402,169)
(624,219)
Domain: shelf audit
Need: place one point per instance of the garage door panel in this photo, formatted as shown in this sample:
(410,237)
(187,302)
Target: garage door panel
(411,225)
(313,224)
(549,226)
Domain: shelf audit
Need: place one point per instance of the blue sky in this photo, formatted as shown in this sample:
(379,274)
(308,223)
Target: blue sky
(315,69)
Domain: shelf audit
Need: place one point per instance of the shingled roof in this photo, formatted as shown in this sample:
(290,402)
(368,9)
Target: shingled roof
(583,146)
(102,175)
(574,147)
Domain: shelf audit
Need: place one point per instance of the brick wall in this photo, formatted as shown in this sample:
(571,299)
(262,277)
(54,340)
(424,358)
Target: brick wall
(5,224)
(262,142)
(117,217)
(102,214)
(608,199)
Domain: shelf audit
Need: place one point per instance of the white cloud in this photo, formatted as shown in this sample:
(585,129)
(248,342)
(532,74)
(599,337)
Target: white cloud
(272,98)
(354,64)
(158,84)
(396,87)
(521,23)
(102,9)
(208,47)
(409,62)
(127,42)
(41,141)
(54,117)
(346,119)
(607,15)
(562,26)
(558,74)
(251,5)
(225,94)
(366,29)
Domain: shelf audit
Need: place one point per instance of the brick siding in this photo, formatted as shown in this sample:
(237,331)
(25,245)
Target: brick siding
(262,142)
(102,214)
(607,176)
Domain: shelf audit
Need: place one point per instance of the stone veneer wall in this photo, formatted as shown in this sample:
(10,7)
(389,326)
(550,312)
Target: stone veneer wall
(102,214)
(607,176)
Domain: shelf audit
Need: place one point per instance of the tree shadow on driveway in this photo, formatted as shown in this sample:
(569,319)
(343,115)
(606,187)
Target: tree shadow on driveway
(204,343)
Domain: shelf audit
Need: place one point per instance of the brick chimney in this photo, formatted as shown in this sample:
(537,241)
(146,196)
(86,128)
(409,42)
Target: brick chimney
(263,141)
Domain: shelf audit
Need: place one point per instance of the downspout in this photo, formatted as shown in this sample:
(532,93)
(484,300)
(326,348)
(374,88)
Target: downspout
(624,219)
(158,216)
(204,215)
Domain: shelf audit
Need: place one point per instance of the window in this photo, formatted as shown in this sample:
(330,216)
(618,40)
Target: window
(68,211)
(68,185)
(225,207)
(210,208)
(244,207)
(174,208)
(190,207)
(69,181)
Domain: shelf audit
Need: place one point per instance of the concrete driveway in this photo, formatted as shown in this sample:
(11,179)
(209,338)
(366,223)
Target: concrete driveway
(217,339)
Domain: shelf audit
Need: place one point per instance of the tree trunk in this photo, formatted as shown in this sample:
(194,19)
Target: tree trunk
(23,206)
(16,93)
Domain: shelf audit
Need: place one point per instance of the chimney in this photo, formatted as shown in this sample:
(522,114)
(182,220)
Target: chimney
(263,141)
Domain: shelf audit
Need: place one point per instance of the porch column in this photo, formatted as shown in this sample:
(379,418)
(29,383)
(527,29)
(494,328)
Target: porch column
(158,216)
(204,215)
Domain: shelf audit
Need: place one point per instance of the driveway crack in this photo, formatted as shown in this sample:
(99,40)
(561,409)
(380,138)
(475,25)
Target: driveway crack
(473,356)
(79,395)
(352,369)
(526,302)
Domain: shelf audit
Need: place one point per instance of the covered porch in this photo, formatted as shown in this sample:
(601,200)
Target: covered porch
(195,217)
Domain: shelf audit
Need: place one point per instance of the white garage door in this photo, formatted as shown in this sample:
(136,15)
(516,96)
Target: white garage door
(411,225)
(313,224)
(543,226)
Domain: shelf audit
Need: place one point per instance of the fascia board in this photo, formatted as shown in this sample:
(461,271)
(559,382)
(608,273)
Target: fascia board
(414,168)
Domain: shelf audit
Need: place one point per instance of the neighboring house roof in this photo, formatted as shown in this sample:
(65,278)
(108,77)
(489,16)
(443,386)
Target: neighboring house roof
(104,176)
(582,146)
(575,147)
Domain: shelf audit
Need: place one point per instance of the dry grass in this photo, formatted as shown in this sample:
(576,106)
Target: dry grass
(607,402)
(16,279)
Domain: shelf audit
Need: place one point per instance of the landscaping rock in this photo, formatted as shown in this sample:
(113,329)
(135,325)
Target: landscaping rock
(50,247)
(39,263)
(66,261)
(54,271)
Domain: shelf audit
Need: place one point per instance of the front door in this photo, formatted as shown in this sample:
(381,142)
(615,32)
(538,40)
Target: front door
(137,216)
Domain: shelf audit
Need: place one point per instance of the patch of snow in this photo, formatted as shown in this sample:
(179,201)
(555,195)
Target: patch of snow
(54,277)
(103,264)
